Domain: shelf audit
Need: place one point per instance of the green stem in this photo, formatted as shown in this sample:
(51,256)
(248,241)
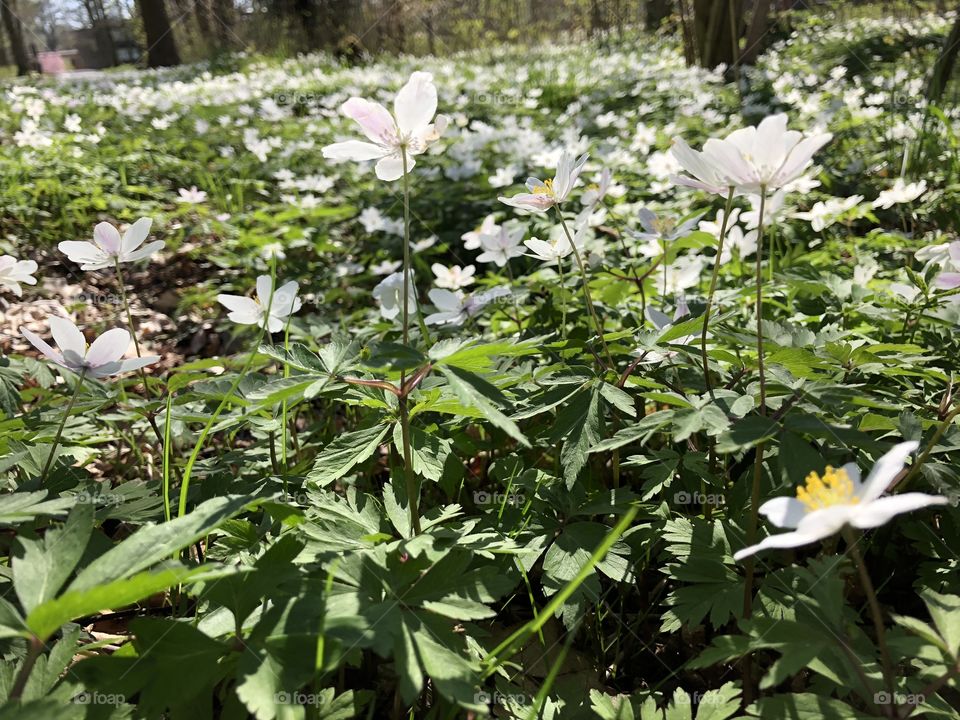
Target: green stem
(763,379)
(713,289)
(166,459)
(563,301)
(195,453)
(133,330)
(586,287)
(404,412)
(499,654)
(63,422)
(875,611)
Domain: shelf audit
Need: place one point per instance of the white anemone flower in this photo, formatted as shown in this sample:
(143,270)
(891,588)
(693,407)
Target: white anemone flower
(549,251)
(389,293)
(901,192)
(253,311)
(455,307)
(453,277)
(502,245)
(98,360)
(752,160)
(410,129)
(827,503)
(13,272)
(662,322)
(544,195)
(471,240)
(109,248)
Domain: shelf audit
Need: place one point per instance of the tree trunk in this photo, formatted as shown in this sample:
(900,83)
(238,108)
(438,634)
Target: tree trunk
(309,22)
(201,13)
(223,18)
(717,28)
(161,46)
(655,12)
(8,9)
(943,67)
(759,25)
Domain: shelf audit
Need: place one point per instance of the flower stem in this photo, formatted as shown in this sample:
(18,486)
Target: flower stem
(871,594)
(713,289)
(410,479)
(133,330)
(758,461)
(63,422)
(763,379)
(563,301)
(194,454)
(586,287)
(34,650)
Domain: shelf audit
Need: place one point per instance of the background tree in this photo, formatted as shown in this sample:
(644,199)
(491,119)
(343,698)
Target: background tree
(161,44)
(14,28)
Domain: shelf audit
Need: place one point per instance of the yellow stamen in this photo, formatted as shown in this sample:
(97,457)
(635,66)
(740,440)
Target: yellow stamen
(834,488)
(545,189)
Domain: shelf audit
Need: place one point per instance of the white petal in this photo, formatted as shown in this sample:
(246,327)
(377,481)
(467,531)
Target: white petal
(144,252)
(416,103)
(135,235)
(876,513)
(354,150)
(391,167)
(109,347)
(107,237)
(264,290)
(135,363)
(69,339)
(784,511)
(41,345)
(885,470)
(659,319)
(80,251)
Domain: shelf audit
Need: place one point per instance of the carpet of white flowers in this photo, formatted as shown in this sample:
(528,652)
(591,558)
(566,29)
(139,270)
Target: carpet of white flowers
(435,387)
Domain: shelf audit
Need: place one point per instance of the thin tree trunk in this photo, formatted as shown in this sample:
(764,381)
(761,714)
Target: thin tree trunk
(8,9)
(223,18)
(759,25)
(943,67)
(161,45)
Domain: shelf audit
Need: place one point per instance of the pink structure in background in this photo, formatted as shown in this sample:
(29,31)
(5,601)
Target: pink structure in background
(51,63)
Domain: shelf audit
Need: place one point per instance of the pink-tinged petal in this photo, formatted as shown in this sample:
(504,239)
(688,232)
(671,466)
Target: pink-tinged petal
(41,345)
(690,182)
(135,235)
(416,103)
(355,150)
(878,512)
(391,168)
(529,201)
(80,251)
(107,237)
(885,470)
(69,339)
(136,363)
(373,118)
(144,252)
(948,280)
(784,511)
(108,348)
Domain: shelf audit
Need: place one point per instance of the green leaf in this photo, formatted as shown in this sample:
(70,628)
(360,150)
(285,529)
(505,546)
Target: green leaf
(153,543)
(580,426)
(45,564)
(475,392)
(340,456)
(46,619)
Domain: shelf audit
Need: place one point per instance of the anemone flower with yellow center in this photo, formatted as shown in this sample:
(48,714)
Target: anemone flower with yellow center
(837,498)
(544,194)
